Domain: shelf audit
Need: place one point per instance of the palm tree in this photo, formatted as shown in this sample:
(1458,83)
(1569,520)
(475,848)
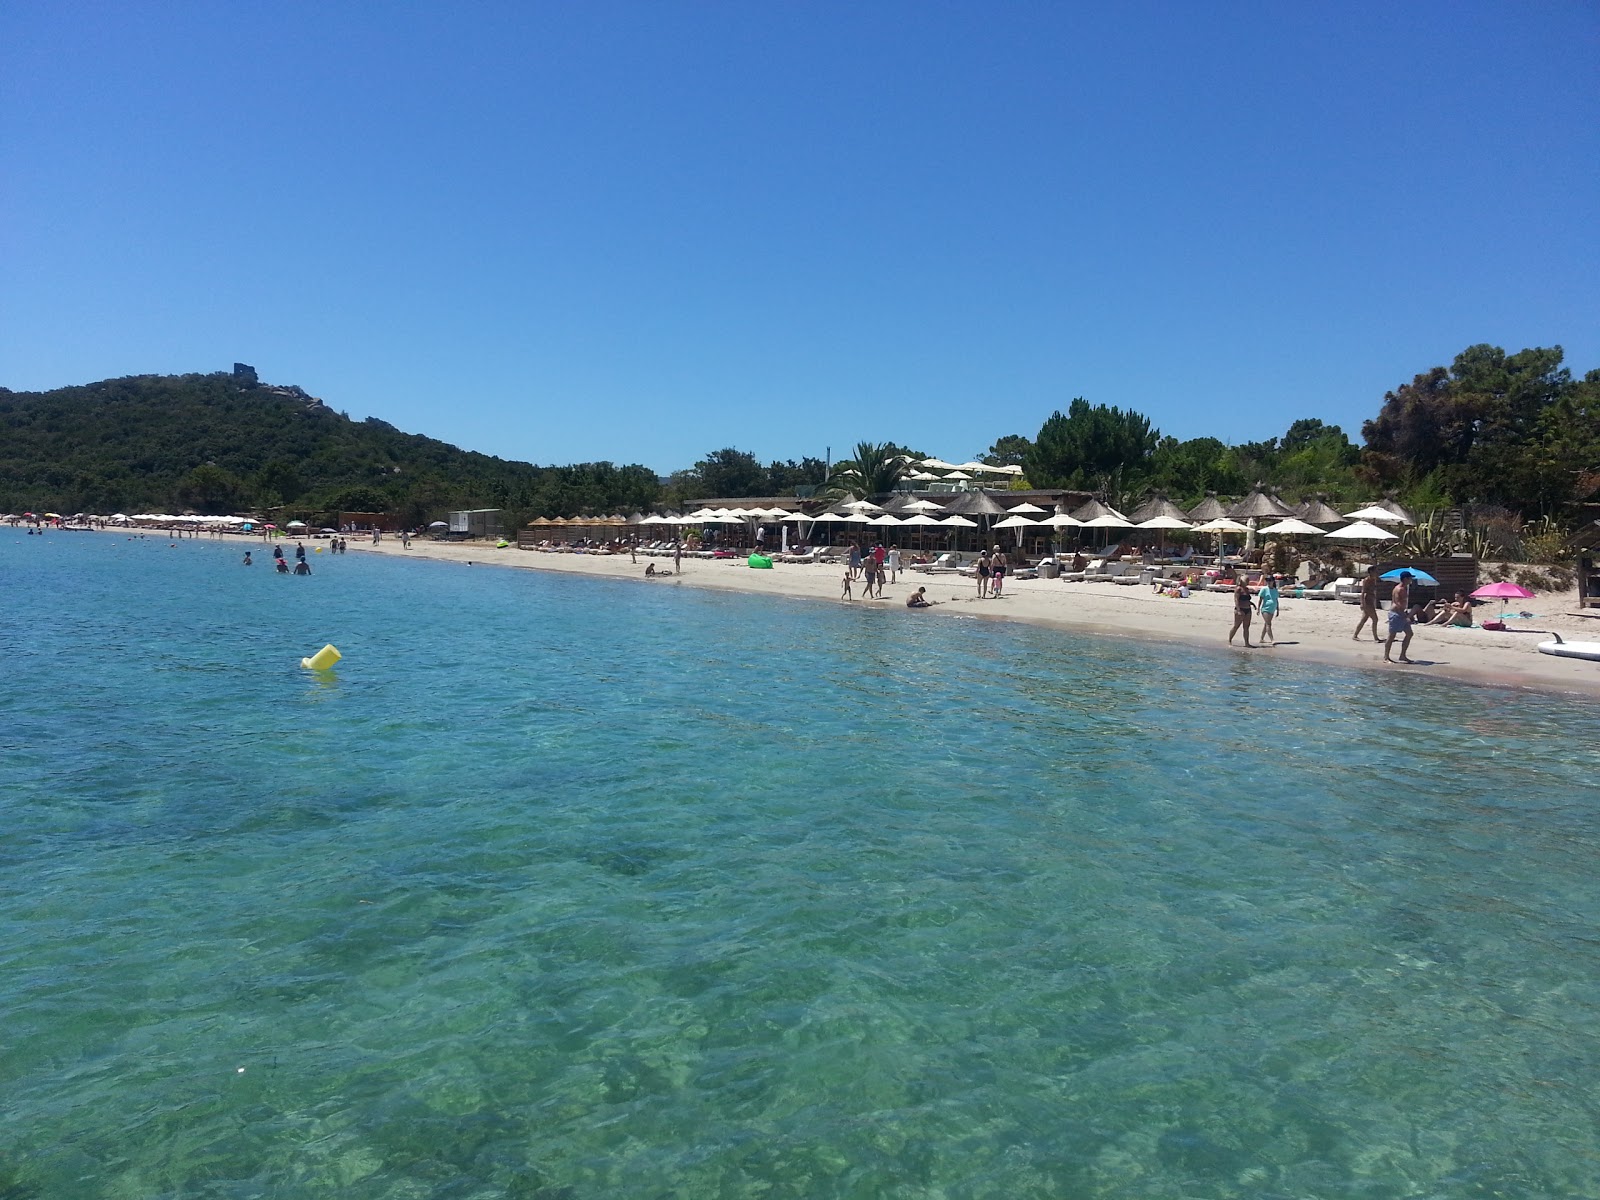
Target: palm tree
(873,471)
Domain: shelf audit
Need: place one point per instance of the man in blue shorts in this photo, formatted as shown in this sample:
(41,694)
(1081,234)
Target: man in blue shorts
(1399,617)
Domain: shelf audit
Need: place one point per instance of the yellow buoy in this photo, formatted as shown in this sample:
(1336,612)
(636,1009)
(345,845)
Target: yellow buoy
(322,659)
(319,550)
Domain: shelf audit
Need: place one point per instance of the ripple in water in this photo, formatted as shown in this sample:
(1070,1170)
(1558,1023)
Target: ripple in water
(568,888)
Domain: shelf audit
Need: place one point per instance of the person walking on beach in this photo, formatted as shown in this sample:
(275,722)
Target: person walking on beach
(997,572)
(892,561)
(677,557)
(1267,603)
(1399,617)
(1369,604)
(1241,612)
(848,576)
(854,560)
(983,575)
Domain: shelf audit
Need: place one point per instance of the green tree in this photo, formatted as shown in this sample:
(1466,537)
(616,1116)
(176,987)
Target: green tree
(1186,471)
(360,499)
(731,472)
(1476,427)
(1008,451)
(874,470)
(786,478)
(1091,446)
(211,490)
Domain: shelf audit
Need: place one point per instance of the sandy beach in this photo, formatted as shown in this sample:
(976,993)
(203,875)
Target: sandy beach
(1309,630)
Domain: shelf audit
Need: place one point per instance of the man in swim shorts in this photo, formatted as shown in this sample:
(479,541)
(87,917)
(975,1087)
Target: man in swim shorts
(1399,616)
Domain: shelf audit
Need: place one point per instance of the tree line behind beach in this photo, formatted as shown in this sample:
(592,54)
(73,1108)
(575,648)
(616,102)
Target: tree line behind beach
(1492,429)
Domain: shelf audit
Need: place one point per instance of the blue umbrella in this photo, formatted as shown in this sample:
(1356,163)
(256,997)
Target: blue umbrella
(1418,575)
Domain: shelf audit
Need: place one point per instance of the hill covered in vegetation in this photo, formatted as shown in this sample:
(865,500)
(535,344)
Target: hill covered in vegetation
(223,443)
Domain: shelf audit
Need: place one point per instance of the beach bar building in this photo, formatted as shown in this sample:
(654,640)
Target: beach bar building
(475,523)
(1585,548)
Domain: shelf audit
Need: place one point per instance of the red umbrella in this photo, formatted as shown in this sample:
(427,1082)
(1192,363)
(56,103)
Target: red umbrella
(1504,590)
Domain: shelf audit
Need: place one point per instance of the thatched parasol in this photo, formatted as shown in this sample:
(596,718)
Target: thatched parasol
(1158,506)
(1093,510)
(973,504)
(1259,504)
(1319,511)
(1209,509)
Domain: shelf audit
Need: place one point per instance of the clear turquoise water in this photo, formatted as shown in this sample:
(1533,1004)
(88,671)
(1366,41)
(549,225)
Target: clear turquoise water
(568,888)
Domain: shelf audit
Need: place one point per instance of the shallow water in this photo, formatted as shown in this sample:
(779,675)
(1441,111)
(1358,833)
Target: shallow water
(574,888)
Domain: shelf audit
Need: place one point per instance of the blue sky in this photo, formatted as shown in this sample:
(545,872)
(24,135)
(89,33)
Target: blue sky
(641,232)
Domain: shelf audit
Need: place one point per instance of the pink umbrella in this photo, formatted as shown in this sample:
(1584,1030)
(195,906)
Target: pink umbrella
(1504,590)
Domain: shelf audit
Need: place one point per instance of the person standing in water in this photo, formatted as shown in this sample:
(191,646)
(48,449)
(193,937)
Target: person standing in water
(247,561)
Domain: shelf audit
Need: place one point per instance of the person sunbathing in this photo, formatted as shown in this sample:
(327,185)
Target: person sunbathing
(1457,613)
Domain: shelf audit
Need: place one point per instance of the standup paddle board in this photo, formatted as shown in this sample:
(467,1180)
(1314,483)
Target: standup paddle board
(1563,649)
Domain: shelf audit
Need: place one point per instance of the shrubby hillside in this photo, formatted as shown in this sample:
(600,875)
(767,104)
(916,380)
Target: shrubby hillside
(222,443)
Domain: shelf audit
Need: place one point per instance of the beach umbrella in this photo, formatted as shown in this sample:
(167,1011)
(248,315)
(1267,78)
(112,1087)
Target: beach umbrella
(1016,523)
(431,525)
(922,506)
(958,521)
(1258,504)
(1376,512)
(1363,531)
(295,525)
(938,464)
(1222,525)
(1209,509)
(1503,590)
(1061,520)
(1416,573)
(1159,506)
(1291,525)
(922,475)
(975,504)
(1163,522)
(1025,507)
(862,506)
(958,475)
(884,519)
(920,519)
(1319,512)
(1109,521)
(1091,509)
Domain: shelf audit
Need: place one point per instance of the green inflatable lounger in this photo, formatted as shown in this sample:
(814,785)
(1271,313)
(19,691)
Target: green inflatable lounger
(760,562)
